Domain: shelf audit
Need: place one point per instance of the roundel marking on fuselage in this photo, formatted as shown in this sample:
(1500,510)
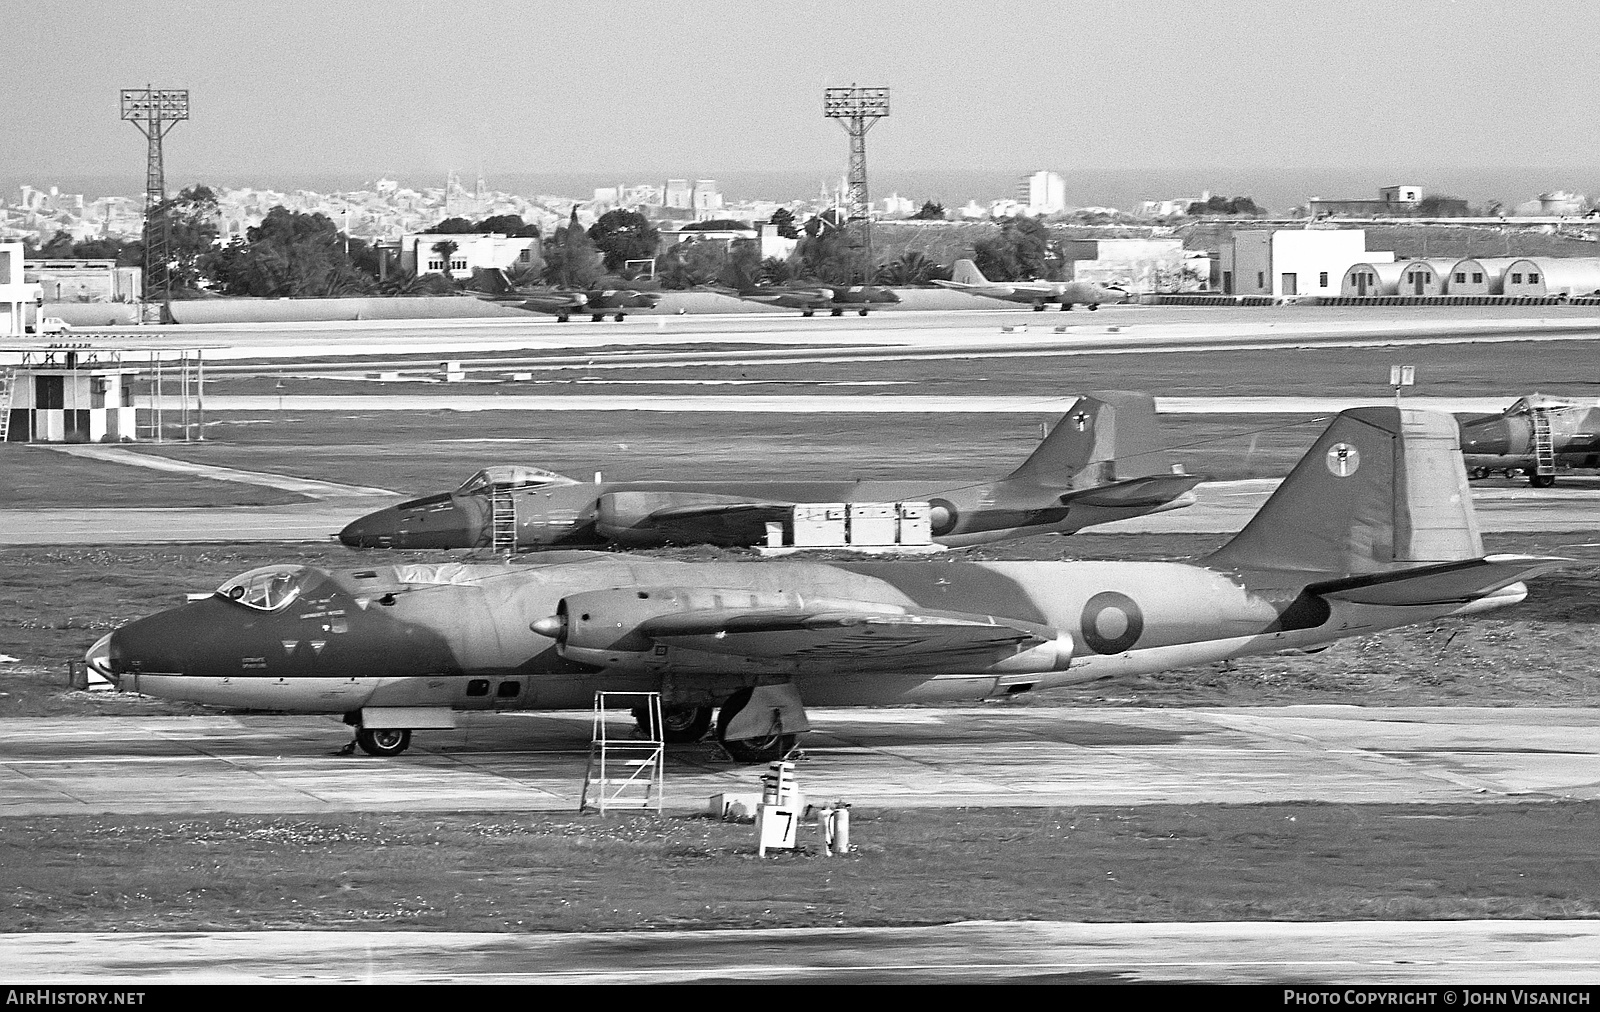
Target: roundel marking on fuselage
(1111,622)
(944,515)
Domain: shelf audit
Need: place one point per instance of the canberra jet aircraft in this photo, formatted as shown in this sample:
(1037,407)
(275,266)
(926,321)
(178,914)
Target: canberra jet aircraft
(563,304)
(1536,435)
(810,298)
(966,277)
(1104,461)
(1373,529)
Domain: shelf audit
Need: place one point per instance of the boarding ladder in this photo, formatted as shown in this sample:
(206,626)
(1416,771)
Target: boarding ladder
(1544,454)
(503,514)
(625,773)
(8,386)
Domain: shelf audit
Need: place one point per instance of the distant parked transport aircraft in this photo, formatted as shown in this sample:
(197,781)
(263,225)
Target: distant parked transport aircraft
(1373,529)
(1104,461)
(965,277)
(1535,436)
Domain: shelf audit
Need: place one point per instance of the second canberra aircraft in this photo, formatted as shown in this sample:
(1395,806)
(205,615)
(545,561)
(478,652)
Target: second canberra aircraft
(1104,461)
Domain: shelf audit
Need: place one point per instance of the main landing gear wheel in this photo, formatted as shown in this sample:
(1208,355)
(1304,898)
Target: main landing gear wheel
(861,312)
(809,312)
(679,726)
(1478,473)
(1541,480)
(1094,307)
(750,750)
(383,741)
(563,318)
(621,316)
(1066,307)
(1038,307)
(836,312)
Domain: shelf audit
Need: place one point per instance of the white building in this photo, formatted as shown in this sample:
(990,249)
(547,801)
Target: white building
(707,200)
(473,250)
(1288,262)
(16,297)
(1044,192)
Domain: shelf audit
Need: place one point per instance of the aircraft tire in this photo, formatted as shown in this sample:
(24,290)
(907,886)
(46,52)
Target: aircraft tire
(596,317)
(861,312)
(1066,307)
(383,742)
(679,725)
(836,312)
(1478,473)
(1541,480)
(620,317)
(1038,307)
(808,312)
(563,318)
(750,750)
(1094,306)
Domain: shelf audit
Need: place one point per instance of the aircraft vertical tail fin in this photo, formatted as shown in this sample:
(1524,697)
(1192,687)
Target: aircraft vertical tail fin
(1106,436)
(1383,489)
(491,280)
(965,272)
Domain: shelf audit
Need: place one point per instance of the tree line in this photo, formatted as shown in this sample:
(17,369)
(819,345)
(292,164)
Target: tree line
(297,254)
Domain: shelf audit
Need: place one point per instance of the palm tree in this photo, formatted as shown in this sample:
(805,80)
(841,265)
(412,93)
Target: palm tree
(911,268)
(446,249)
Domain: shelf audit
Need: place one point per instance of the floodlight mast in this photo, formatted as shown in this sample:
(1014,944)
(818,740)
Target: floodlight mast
(155,111)
(857,109)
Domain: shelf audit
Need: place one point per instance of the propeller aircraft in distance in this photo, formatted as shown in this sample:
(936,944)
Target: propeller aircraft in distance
(564,304)
(1104,461)
(1373,529)
(965,277)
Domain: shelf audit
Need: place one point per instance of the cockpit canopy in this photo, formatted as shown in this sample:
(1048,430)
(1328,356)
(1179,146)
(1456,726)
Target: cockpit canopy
(1538,402)
(511,476)
(270,587)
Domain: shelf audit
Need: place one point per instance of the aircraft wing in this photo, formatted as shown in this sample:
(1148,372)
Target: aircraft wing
(843,633)
(730,510)
(1151,490)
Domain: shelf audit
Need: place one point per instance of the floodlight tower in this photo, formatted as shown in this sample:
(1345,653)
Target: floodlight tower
(858,109)
(154,112)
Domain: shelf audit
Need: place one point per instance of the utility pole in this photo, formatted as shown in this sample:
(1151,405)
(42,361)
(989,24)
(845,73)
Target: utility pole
(857,109)
(155,112)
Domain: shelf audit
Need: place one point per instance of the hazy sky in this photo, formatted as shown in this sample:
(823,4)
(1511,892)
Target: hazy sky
(636,89)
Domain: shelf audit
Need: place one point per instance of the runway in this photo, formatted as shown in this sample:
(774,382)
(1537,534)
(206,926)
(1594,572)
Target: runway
(505,398)
(892,333)
(1221,508)
(1555,958)
(983,756)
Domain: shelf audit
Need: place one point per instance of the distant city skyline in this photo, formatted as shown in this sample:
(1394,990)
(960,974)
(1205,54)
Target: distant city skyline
(287,88)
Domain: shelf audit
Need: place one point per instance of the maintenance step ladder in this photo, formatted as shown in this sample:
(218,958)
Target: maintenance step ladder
(503,513)
(625,773)
(8,386)
(1544,454)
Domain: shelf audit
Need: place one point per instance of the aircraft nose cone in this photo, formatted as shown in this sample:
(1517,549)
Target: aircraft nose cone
(440,521)
(98,659)
(375,530)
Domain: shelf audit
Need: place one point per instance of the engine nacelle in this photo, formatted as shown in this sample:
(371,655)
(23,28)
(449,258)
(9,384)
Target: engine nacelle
(602,626)
(1053,655)
(640,519)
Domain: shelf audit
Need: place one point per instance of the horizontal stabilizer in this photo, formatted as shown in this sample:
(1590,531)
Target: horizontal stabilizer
(1154,490)
(1446,583)
(855,635)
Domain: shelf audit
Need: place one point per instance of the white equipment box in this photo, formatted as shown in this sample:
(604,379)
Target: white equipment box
(820,525)
(873,523)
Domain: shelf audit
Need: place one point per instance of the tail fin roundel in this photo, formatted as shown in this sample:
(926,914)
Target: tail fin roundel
(1106,436)
(1383,489)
